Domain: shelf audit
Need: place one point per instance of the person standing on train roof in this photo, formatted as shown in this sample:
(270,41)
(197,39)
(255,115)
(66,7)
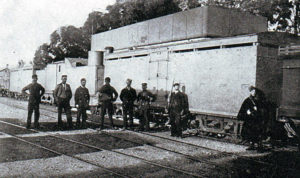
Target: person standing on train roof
(128,96)
(62,95)
(82,100)
(144,100)
(177,108)
(36,91)
(106,96)
(254,112)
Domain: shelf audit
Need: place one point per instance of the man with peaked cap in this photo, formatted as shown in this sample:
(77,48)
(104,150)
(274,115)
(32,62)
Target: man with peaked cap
(106,96)
(177,109)
(144,99)
(36,91)
(128,96)
(62,95)
(254,112)
(82,100)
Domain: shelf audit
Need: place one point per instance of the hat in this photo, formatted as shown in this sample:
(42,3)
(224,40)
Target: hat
(176,84)
(64,75)
(144,84)
(34,76)
(107,79)
(252,88)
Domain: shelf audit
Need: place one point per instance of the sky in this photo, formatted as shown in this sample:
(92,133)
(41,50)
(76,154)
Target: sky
(26,24)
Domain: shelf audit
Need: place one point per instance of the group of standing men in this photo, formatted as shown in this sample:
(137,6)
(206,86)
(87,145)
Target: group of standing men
(62,96)
(177,105)
(107,95)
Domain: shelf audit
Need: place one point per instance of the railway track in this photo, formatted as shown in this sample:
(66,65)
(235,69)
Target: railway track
(62,154)
(185,172)
(193,158)
(197,159)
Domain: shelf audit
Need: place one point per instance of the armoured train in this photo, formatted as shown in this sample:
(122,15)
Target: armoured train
(215,53)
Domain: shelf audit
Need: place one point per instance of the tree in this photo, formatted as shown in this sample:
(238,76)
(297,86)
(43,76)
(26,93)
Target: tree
(129,12)
(95,23)
(42,56)
(69,41)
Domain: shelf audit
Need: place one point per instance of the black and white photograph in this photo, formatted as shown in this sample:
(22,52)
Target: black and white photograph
(150,88)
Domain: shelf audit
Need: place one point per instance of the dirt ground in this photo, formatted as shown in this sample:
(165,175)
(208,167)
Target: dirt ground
(20,159)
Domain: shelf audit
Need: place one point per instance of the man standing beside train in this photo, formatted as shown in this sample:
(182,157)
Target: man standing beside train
(62,95)
(144,99)
(186,116)
(82,100)
(177,108)
(107,95)
(128,96)
(36,91)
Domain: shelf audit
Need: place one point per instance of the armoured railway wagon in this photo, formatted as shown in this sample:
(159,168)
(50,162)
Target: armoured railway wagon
(216,72)
(215,53)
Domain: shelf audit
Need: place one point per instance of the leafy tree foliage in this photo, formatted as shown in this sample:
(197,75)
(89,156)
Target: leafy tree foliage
(42,56)
(69,41)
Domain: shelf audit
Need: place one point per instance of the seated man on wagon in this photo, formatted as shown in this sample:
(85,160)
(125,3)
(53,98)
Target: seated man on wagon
(254,113)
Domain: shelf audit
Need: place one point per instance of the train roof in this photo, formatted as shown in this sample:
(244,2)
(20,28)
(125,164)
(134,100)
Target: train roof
(194,23)
(274,39)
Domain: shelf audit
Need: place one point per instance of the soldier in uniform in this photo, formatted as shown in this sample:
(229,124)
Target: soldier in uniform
(187,112)
(254,112)
(107,95)
(185,96)
(63,94)
(177,109)
(36,91)
(128,96)
(144,99)
(82,100)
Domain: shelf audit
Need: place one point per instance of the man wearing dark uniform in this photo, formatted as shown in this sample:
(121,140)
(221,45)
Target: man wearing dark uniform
(144,99)
(82,100)
(128,96)
(185,96)
(254,113)
(107,95)
(177,108)
(187,112)
(62,95)
(36,91)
